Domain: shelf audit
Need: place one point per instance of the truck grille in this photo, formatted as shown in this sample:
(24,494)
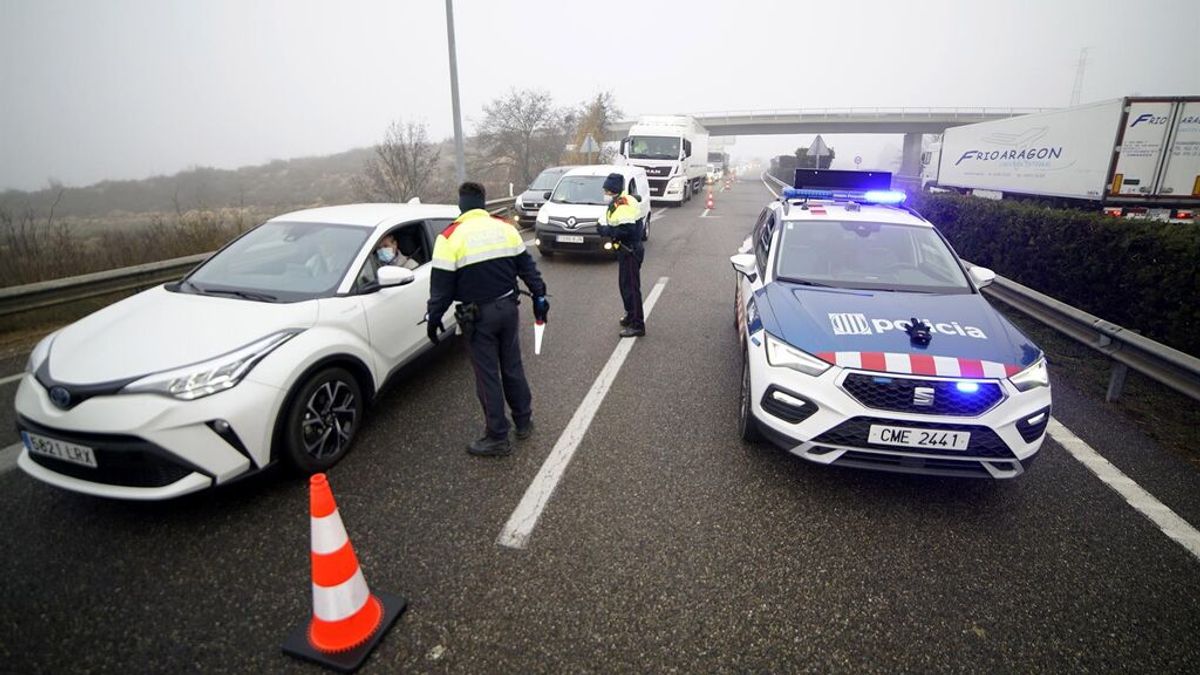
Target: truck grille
(942,397)
(657,171)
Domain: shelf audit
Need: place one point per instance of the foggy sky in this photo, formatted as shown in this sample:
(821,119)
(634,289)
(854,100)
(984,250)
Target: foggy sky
(132,88)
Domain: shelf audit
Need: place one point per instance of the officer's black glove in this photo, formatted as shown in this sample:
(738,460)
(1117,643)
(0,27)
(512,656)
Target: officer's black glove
(541,307)
(434,328)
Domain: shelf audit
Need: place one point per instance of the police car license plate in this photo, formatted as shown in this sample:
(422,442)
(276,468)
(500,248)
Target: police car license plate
(570,238)
(52,447)
(932,439)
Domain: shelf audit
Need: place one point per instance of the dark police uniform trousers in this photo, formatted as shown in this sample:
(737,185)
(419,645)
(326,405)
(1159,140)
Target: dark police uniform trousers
(629,280)
(499,374)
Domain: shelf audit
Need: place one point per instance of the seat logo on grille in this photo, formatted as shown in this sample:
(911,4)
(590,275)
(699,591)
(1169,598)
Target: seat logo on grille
(923,396)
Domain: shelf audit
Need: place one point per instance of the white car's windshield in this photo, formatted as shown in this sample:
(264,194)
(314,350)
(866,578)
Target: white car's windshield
(579,190)
(547,179)
(282,262)
(868,256)
(654,147)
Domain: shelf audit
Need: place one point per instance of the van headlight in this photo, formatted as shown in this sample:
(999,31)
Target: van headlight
(1032,377)
(212,376)
(543,217)
(782,355)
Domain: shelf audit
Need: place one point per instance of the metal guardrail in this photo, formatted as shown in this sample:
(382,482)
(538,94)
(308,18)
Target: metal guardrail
(1126,348)
(17,299)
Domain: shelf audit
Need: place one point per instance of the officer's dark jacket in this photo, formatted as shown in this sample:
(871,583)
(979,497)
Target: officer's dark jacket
(476,259)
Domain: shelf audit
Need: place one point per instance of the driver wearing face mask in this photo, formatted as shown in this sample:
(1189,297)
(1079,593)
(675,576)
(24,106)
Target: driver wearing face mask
(387,252)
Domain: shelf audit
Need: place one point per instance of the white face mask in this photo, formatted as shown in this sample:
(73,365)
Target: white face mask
(608,198)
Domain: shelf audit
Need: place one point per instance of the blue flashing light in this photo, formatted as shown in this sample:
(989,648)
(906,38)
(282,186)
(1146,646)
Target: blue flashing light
(870,196)
(967,387)
(885,196)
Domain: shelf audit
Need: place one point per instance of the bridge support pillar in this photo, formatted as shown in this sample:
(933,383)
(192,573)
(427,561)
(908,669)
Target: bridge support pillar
(910,163)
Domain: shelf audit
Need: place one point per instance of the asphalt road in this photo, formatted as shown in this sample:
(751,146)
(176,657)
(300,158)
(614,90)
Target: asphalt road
(669,545)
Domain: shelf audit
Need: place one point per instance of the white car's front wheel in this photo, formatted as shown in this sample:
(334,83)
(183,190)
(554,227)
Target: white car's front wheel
(322,419)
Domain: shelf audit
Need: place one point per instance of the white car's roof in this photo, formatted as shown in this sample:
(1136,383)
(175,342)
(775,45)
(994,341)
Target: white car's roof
(604,170)
(369,215)
(830,210)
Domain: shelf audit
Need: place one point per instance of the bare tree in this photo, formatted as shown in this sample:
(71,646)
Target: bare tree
(593,117)
(523,132)
(403,167)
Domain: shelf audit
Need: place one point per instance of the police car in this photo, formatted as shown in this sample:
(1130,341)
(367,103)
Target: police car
(866,342)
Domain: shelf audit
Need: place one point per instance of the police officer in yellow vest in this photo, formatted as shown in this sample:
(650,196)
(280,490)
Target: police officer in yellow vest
(476,261)
(622,222)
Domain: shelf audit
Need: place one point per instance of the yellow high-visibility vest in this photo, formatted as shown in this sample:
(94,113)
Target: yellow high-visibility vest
(475,237)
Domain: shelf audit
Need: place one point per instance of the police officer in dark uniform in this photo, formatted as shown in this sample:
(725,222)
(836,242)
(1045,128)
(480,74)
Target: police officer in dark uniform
(476,261)
(623,223)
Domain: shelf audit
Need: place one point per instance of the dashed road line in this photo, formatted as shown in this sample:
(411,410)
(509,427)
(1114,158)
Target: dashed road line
(1145,503)
(525,517)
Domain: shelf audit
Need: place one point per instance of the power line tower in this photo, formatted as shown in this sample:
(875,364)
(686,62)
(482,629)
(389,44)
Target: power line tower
(1077,89)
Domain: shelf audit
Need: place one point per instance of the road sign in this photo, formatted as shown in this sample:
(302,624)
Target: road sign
(589,145)
(857,160)
(818,147)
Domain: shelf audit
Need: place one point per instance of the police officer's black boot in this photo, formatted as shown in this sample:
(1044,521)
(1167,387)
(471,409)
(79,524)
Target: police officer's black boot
(490,447)
(631,331)
(624,321)
(524,431)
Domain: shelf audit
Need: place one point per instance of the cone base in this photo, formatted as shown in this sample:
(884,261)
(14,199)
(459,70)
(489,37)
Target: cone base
(297,644)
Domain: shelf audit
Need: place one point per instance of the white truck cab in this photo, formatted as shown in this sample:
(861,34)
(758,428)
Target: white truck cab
(673,150)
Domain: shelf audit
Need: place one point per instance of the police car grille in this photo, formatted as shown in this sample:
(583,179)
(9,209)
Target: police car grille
(853,433)
(899,394)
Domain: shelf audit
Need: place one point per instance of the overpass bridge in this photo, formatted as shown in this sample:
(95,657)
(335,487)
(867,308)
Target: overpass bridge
(912,122)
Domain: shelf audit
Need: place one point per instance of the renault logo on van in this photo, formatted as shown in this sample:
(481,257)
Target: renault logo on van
(571,222)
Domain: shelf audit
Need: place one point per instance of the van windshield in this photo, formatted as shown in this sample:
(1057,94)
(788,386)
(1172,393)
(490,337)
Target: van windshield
(579,190)
(654,147)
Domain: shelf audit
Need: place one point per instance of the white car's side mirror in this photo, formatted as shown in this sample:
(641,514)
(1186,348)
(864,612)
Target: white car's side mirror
(389,275)
(744,264)
(982,276)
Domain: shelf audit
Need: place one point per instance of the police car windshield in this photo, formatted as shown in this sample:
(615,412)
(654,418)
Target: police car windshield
(284,262)
(547,179)
(653,147)
(579,190)
(868,256)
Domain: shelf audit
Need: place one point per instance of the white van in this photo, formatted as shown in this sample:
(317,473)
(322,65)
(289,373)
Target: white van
(567,221)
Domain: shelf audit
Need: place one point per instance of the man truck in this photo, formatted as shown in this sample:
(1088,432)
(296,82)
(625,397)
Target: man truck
(674,152)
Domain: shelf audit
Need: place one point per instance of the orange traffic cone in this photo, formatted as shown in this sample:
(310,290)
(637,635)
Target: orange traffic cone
(708,204)
(348,620)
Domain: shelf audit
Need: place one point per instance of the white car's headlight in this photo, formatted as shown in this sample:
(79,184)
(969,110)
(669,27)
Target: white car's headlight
(209,377)
(782,355)
(543,217)
(520,204)
(1032,377)
(40,351)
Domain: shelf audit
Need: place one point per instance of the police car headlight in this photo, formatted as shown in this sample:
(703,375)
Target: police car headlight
(782,355)
(1032,377)
(209,377)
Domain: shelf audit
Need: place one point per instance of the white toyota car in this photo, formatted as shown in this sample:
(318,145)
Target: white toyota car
(267,351)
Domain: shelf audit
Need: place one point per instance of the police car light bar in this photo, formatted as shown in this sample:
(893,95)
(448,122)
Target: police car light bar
(865,186)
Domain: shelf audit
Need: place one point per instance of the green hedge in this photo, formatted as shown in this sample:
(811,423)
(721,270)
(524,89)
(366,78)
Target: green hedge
(1138,274)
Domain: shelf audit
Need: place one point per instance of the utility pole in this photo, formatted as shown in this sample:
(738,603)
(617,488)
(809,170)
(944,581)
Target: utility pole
(460,162)
(1077,89)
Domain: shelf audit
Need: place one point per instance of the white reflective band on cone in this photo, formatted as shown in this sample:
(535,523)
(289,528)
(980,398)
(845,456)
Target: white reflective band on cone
(342,601)
(328,534)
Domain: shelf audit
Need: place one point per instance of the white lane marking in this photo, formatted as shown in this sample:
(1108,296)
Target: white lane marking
(525,517)
(1160,514)
(763,178)
(8,457)
(705,214)
(11,378)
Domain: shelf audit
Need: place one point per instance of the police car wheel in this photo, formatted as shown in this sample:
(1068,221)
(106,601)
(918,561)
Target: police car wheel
(747,425)
(322,420)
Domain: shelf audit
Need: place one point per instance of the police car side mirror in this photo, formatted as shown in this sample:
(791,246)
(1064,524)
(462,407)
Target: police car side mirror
(389,275)
(743,263)
(982,276)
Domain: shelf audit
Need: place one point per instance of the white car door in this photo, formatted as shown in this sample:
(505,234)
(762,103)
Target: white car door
(394,313)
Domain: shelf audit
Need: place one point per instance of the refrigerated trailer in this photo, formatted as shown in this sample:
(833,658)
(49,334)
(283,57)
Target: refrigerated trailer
(1125,154)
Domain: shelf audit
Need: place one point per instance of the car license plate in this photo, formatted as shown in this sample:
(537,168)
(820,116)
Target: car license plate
(67,452)
(570,238)
(932,439)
